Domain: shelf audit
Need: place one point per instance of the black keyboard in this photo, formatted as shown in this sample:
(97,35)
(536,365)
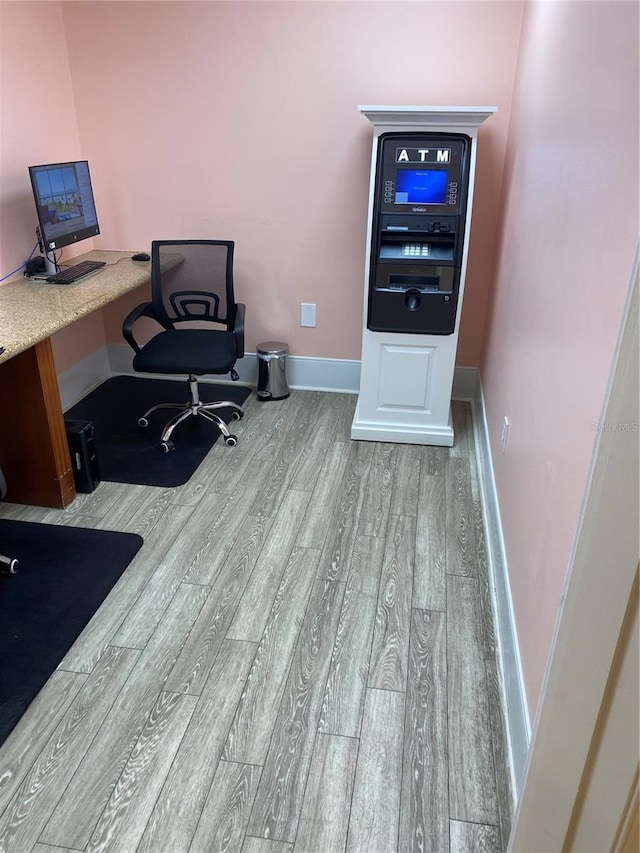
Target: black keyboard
(70,274)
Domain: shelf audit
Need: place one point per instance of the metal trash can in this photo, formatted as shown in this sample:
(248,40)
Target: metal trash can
(272,371)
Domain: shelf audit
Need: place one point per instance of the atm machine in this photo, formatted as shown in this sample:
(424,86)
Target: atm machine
(419,223)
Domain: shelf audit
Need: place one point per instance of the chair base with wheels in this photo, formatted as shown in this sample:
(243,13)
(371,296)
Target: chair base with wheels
(195,407)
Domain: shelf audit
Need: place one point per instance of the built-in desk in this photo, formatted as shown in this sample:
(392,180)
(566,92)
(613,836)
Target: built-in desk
(34,454)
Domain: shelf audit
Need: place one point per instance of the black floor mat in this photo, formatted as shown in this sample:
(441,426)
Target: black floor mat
(64,575)
(129,454)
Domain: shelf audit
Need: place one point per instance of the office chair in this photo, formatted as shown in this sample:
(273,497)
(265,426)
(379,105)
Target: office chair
(202,326)
(8,565)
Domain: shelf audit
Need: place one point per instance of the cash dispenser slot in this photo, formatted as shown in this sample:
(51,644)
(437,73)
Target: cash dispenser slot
(423,283)
(432,280)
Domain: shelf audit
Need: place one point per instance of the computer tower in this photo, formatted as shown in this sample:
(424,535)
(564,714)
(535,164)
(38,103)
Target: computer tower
(84,457)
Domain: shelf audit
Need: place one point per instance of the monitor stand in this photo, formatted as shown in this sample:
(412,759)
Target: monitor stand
(50,265)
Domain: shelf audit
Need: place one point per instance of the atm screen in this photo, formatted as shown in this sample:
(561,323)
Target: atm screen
(421,186)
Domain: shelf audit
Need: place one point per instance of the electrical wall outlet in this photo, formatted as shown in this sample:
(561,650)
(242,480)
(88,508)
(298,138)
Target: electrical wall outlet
(505,434)
(307,314)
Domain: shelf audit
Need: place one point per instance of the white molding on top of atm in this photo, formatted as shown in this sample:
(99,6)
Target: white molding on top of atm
(408,116)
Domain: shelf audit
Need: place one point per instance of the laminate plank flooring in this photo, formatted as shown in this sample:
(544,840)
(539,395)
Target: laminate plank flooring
(27,812)
(226,812)
(300,659)
(25,743)
(375,805)
(377,499)
(324,820)
(254,608)
(81,804)
(429,577)
(473,795)
(178,809)
(389,655)
(122,822)
(279,799)
(343,527)
(290,454)
(252,726)
(134,588)
(476,837)
(349,671)
(321,507)
(424,806)
(460,543)
(264,845)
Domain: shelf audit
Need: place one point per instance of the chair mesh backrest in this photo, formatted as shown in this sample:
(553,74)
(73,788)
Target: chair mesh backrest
(193,280)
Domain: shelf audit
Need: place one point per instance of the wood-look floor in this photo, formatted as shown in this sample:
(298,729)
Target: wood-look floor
(300,659)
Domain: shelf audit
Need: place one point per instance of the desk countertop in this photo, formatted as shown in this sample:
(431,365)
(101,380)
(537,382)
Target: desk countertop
(31,311)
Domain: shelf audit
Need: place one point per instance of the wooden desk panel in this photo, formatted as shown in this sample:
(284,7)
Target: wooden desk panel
(34,454)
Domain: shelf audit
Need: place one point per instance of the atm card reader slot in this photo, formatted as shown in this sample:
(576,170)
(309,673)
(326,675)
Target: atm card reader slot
(416,223)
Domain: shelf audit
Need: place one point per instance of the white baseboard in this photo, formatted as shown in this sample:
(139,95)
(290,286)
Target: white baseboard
(83,377)
(467,385)
(342,375)
(324,374)
(303,372)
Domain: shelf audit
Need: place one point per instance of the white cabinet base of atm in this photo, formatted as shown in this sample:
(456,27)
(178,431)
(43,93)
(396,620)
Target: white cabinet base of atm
(405,389)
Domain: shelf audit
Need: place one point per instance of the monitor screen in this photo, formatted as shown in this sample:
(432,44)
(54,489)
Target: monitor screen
(64,201)
(421,186)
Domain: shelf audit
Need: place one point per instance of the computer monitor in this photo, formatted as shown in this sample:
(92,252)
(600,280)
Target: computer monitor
(65,205)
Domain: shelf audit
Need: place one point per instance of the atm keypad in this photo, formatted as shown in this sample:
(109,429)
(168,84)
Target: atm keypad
(415,250)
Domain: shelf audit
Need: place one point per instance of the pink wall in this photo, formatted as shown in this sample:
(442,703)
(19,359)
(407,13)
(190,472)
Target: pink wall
(240,121)
(568,240)
(37,125)
(34,128)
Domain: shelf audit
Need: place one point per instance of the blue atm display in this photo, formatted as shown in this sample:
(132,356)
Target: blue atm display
(421,186)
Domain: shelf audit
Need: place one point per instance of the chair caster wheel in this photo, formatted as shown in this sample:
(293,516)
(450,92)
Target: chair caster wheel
(143,422)
(230,440)
(237,416)
(8,568)
(167,446)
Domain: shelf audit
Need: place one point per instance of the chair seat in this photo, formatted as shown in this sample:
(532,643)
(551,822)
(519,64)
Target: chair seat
(194,351)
